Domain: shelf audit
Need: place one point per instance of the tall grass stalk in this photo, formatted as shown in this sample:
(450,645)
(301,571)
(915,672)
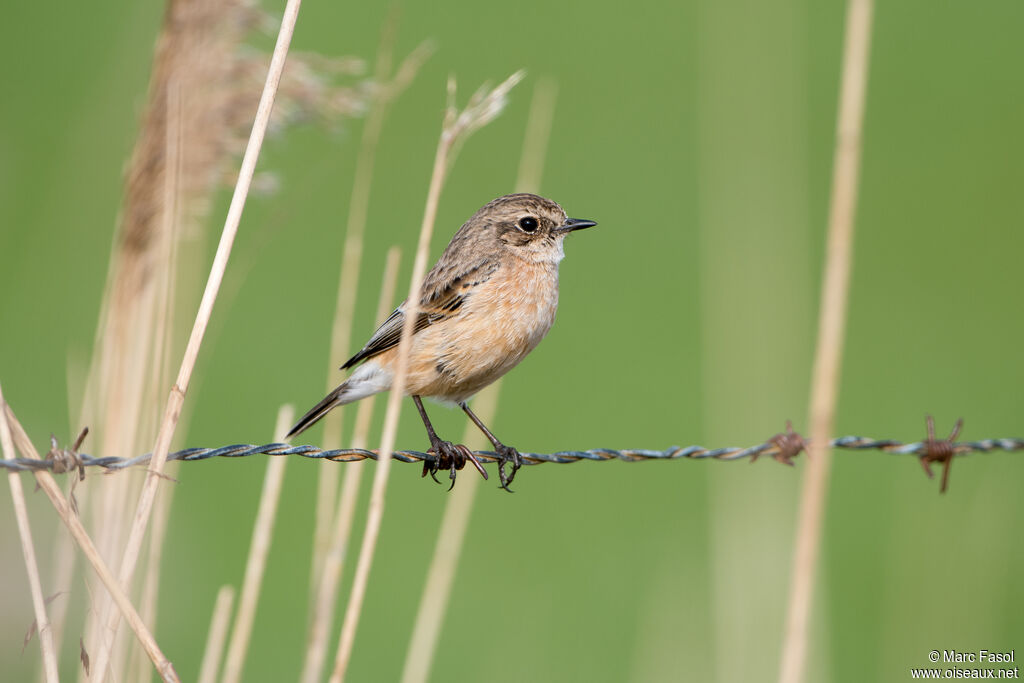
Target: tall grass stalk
(348,284)
(831,331)
(259,548)
(28,550)
(452,532)
(63,553)
(386,90)
(752,209)
(216,635)
(325,597)
(482,108)
(376,505)
(177,394)
(166,264)
(441,573)
(538,132)
(67,514)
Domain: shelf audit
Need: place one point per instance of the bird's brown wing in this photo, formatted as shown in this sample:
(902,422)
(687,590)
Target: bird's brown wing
(444,290)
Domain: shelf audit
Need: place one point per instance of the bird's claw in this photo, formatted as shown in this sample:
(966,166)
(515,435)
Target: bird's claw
(451,457)
(508,454)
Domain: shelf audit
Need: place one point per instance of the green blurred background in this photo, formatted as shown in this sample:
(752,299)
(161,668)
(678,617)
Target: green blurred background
(700,136)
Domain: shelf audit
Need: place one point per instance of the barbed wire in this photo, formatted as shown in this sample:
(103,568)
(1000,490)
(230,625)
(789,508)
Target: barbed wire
(782,447)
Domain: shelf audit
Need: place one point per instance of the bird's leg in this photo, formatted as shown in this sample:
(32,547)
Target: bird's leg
(447,455)
(505,453)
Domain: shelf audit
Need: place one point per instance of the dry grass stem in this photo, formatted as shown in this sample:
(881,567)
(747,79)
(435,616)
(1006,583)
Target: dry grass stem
(831,330)
(538,132)
(216,635)
(148,600)
(168,243)
(198,48)
(483,107)
(262,532)
(333,562)
(78,532)
(441,573)
(352,250)
(325,597)
(177,394)
(440,577)
(166,265)
(384,94)
(28,550)
(63,573)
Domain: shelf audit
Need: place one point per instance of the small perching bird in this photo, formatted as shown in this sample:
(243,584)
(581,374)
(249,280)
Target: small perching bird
(485,304)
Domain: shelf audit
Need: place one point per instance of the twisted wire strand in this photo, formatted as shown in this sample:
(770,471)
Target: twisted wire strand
(782,447)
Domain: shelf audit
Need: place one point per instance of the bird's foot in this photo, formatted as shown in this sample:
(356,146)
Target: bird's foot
(507,455)
(451,457)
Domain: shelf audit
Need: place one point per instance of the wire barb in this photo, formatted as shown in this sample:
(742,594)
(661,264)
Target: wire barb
(782,447)
(66,459)
(939,450)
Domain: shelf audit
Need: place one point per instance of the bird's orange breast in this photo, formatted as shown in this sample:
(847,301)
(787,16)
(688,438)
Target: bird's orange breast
(501,321)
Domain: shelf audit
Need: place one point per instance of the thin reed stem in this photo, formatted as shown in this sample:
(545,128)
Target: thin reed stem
(259,548)
(351,258)
(483,107)
(452,532)
(177,395)
(376,506)
(326,595)
(49,485)
(441,573)
(348,287)
(538,132)
(831,331)
(63,553)
(148,599)
(217,634)
(167,265)
(28,550)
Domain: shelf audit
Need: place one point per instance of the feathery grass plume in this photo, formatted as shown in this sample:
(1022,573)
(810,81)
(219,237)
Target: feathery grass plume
(161,376)
(203,48)
(202,51)
(483,107)
(201,56)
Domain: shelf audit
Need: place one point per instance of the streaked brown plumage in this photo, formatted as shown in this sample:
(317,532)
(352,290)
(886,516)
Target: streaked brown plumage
(486,303)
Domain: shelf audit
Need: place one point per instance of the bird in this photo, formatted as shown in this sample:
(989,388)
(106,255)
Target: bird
(487,302)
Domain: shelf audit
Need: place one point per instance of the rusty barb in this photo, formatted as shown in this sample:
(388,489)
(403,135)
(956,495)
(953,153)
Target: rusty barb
(939,450)
(782,447)
(787,445)
(60,460)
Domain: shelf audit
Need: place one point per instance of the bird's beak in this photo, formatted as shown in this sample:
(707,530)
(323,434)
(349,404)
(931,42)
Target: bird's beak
(575,224)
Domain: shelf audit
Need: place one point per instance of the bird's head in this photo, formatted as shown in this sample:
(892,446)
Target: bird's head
(526,226)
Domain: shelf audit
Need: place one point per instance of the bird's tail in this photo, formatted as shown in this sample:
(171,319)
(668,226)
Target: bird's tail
(318,411)
(365,381)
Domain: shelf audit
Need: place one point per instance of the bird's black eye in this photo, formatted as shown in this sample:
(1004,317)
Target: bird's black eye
(528,224)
